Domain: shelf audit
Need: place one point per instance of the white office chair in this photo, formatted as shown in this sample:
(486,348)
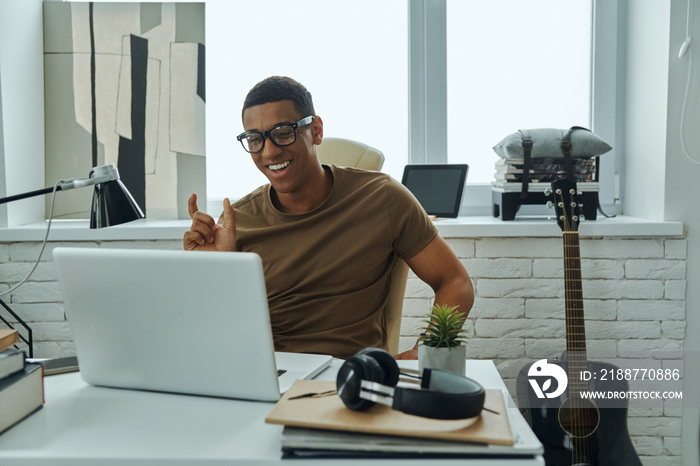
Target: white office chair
(351,153)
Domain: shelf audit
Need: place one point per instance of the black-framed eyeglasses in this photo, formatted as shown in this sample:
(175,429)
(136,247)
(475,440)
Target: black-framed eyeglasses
(282,135)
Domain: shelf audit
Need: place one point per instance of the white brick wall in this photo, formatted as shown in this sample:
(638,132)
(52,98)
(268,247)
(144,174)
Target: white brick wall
(634,303)
(634,300)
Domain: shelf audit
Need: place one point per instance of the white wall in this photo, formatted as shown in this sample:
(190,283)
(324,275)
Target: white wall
(22,88)
(682,178)
(645,109)
(662,182)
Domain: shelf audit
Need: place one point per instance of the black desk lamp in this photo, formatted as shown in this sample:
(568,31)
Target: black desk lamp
(112,204)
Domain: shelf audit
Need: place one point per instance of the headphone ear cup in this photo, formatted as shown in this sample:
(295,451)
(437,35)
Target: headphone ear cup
(386,361)
(348,382)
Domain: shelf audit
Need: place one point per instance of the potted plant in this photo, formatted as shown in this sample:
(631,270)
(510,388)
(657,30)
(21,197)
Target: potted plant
(442,345)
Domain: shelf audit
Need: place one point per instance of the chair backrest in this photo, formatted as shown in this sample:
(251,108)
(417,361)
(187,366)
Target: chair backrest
(399,276)
(349,153)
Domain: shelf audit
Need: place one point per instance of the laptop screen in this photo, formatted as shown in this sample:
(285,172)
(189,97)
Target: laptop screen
(438,188)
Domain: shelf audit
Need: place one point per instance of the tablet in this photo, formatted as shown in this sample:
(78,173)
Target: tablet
(438,188)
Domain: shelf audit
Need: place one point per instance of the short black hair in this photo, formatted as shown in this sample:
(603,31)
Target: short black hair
(277,88)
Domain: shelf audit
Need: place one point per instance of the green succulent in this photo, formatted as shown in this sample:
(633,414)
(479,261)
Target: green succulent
(444,328)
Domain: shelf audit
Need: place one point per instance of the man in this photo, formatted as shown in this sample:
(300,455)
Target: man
(328,236)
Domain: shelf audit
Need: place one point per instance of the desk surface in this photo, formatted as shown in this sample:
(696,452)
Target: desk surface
(81,424)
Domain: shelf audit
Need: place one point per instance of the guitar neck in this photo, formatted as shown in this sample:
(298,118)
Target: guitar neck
(575,325)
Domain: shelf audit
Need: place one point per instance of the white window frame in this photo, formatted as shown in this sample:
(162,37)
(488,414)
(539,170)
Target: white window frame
(428,95)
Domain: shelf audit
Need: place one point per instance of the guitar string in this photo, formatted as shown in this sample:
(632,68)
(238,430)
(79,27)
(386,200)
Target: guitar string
(584,356)
(590,413)
(573,399)
(571,425)
(581,446)
(571,419)
(578,413)
(573,297)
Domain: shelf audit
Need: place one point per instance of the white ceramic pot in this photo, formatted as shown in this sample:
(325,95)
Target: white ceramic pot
(451,359)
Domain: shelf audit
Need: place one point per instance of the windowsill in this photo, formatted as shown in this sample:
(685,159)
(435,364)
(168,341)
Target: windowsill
(462,227)
(620,226)
(79,230)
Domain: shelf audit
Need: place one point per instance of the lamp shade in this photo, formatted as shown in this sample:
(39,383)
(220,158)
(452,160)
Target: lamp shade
(112,204)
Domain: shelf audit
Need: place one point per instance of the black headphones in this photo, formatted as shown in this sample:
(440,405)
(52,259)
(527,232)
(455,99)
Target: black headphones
(371,375)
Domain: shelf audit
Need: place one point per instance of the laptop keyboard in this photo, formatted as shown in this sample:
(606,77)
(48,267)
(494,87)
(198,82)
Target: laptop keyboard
(280,372)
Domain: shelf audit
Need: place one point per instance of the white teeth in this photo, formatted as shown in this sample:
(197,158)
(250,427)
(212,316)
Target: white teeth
(279,166)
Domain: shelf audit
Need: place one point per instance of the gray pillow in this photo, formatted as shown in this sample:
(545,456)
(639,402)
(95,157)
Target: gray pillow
(546,143)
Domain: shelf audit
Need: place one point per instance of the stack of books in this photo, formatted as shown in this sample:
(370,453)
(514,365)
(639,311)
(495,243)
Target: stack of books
(21,382)
(322,427)
(544,170)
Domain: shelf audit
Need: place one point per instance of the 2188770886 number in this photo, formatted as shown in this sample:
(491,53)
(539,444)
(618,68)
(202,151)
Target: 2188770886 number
(632,374)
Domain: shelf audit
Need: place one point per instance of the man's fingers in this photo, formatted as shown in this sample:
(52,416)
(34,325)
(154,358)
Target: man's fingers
(192,239)
(205,234)
(203,219)
(192,205)
(229,220)
(204,226)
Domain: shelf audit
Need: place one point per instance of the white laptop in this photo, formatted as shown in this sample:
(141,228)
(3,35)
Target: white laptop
(176,321)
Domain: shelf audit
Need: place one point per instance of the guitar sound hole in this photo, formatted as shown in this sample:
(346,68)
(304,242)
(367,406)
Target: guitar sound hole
(579,418)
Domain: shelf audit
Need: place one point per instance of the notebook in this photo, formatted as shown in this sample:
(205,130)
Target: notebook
(176,321)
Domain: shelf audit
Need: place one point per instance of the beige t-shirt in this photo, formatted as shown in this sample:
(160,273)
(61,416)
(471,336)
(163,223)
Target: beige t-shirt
(327,272)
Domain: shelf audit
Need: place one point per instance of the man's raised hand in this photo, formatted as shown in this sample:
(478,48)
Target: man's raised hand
(205,234)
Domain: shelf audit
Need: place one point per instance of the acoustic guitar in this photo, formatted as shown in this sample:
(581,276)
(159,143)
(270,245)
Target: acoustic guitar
(573,429)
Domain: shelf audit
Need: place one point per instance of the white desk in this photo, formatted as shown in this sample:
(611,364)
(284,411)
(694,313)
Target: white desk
(85,425)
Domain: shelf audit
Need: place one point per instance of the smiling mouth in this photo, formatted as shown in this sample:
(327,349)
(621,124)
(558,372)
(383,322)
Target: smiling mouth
(279,166)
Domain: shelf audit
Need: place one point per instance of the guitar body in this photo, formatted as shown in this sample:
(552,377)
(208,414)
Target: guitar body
(605,440)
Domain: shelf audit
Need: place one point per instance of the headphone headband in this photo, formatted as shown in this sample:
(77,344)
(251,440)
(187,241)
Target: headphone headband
(444,395)
(370,376)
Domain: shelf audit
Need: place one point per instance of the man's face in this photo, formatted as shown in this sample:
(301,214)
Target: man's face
(287,168)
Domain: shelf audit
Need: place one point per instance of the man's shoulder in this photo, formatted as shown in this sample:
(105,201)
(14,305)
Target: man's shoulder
(254,198)
(357,180)
(358,177)
(358,172)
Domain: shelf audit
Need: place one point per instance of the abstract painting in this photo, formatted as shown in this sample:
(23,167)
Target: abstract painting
(125,85)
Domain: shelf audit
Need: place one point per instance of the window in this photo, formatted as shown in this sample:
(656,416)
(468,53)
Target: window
(350,55)
(513,64)
(498,66)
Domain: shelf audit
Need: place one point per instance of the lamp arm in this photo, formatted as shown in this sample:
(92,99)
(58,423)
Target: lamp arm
(102,174)
(17,197)
(83,182)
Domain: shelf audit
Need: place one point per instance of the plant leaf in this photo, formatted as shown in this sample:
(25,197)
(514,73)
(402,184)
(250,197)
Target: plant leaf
(443,327)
